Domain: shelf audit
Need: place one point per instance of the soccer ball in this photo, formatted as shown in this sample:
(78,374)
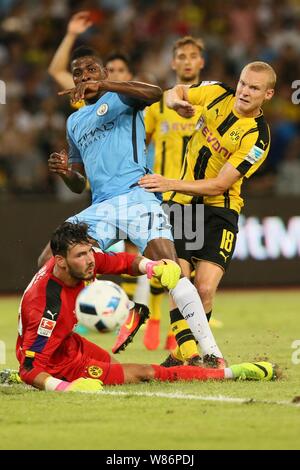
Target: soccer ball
(102,305)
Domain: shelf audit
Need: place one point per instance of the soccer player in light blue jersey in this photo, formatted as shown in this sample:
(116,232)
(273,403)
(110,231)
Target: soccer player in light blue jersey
(107,145)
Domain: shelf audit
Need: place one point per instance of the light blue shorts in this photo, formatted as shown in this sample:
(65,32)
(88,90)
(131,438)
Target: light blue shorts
(136,216)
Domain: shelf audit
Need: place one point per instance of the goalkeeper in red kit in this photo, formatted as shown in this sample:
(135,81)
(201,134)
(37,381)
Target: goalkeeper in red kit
(54,358)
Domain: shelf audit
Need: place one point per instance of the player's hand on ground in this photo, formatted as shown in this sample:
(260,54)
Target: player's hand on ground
(85,385)
(81,90)
(166,270)
(58,162)
(155,183)
(79,23)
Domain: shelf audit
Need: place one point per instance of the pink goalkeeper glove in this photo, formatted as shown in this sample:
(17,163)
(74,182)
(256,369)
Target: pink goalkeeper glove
(166,270)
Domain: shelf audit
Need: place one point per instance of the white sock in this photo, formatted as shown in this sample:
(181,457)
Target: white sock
(228,374)
(142,291)
(187,299)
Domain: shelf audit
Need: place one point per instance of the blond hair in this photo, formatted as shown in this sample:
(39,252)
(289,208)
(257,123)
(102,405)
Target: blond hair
(263,67)
(198,42)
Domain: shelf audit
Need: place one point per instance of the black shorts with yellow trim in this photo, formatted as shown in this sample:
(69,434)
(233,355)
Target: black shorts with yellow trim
(219,232)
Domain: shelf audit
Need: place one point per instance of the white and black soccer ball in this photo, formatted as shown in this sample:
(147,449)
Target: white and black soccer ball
(102,305)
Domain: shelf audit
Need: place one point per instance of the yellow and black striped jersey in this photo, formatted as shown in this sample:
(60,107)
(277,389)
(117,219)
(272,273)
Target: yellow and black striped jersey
(222,136)
(170,133)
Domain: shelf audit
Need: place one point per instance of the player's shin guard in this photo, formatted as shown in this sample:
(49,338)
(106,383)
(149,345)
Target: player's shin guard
(187,299)
(186,373)
(184,337)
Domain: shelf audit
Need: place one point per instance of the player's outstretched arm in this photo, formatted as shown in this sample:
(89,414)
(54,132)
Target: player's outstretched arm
(58,68)
(176,99)
(166,270)
(205,187)
(137,90)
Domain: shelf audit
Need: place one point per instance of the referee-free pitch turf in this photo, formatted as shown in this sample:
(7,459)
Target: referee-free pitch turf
(197,415)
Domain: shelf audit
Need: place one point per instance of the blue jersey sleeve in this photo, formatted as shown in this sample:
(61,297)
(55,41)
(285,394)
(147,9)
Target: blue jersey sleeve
(133,102)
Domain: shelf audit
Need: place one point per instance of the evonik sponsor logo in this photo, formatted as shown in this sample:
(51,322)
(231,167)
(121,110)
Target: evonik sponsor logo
(211,139)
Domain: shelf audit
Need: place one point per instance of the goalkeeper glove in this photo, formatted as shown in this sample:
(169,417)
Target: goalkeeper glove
(166,270)
(85,385)
(82,384)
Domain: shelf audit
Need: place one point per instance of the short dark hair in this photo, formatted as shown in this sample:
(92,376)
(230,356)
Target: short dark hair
(84,51)
(119,56)
(68,234)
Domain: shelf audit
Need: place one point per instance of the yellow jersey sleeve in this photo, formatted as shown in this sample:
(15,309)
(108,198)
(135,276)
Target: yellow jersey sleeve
(150,119)
(251,154)
(204,93)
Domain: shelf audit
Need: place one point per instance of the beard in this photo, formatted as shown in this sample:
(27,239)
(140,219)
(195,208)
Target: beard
(80,276)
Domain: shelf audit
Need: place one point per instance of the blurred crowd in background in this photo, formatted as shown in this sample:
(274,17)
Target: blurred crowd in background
(235,32)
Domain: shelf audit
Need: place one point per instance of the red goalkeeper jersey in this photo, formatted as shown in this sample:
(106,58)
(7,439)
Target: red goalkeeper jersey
(46,342)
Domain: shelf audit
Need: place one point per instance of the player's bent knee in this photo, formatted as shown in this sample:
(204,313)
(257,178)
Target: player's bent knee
(206,292)
(186,290)
(159,248)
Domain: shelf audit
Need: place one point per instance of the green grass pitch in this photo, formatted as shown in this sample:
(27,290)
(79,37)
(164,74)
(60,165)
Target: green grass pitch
(256,325)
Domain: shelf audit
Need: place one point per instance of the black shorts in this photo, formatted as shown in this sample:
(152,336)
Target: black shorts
(219,232)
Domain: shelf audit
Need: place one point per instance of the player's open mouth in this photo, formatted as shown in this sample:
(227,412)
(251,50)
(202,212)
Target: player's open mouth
(243,101)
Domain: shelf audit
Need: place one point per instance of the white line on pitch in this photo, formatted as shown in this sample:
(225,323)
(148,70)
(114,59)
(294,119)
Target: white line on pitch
(183,396)
(186,396)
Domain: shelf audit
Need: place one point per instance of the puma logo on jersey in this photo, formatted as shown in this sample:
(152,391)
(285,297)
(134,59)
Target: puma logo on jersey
(263,143)
(224,256)
(217,113)
(51,315)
